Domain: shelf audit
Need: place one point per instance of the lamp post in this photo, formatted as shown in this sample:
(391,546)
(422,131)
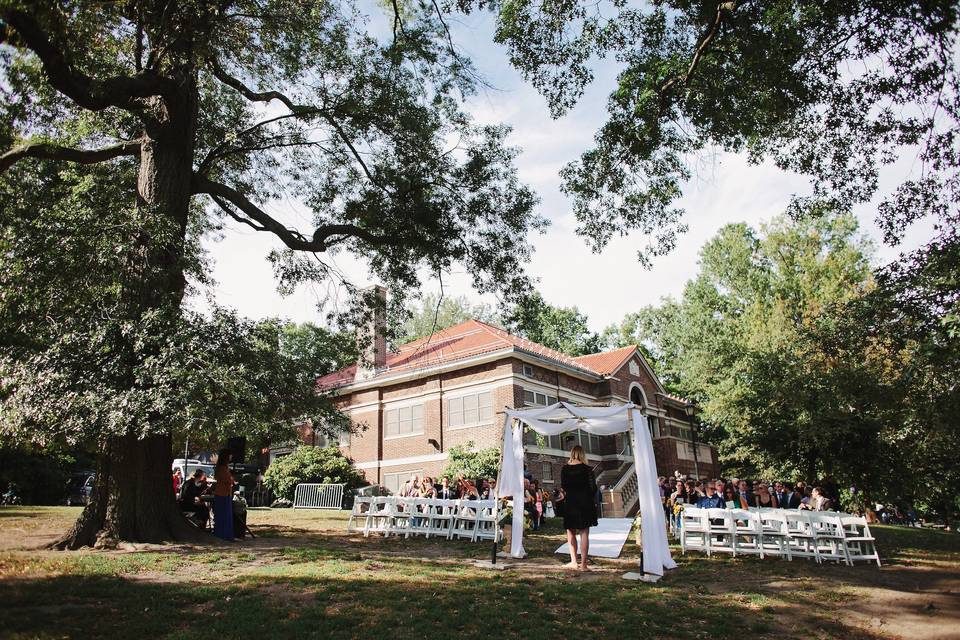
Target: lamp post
(691,409)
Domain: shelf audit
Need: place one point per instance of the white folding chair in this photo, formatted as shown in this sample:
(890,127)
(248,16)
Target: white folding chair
(399,521)
(861,545)
(486,528)
(693,529)
(773,533)
(721,532)
(442,513)
(360,511)
(828,536)
(465,520)
(418,519)
(378,518)
(800,535)
(747,533)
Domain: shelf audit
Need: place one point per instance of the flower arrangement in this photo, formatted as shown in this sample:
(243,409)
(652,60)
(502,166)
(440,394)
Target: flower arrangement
(506,516)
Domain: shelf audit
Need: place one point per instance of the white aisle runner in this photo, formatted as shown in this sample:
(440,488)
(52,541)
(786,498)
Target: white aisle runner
(606,539)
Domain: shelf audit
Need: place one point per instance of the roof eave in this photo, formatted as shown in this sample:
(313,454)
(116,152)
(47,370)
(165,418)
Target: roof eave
(413,374)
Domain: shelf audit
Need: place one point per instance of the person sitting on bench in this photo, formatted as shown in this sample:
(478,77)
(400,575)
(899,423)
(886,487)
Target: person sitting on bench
(190,501)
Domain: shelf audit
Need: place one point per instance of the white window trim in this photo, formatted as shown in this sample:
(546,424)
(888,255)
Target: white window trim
(400,436)
(396,462)
(487,423)
(402,404)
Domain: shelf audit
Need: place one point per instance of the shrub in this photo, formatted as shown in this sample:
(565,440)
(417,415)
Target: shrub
(311,464)
(463,460)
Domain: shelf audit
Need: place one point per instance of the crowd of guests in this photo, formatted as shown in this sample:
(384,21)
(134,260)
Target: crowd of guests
(737,493)
(460,489)
(198,494)
(539,503)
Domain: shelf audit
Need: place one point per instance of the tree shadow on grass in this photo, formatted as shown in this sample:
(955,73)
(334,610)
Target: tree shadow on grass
(336,600)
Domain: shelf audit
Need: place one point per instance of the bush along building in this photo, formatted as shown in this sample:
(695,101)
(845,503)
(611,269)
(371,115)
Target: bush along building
(413,404)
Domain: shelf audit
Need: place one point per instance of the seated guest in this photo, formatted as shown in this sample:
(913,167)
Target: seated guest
(411,487)
(711,500)
(426,490)
(486,491)
(466,489)
(731,499)
(444,491)
(818,501)
(805,499)
(190,501)
(779,493)
(791,499)
(763,497)
(744,492)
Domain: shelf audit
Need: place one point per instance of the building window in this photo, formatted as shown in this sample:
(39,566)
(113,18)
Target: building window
(589,441)
(394,481)
(546,473)
(528,371)
(344,438)
(405,421)
(536,399)
(473,409)
(654,425)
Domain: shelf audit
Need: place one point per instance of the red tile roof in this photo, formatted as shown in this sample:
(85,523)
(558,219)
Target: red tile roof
(607,362)
(465,340)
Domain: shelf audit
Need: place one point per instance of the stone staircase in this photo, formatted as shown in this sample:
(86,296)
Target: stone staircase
(620,498)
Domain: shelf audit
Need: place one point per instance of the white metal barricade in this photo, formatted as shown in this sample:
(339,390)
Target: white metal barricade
(318,496)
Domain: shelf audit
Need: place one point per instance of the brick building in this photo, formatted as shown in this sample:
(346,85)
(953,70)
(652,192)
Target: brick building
(450,388)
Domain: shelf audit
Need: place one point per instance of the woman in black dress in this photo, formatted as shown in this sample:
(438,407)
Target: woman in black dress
(579,506)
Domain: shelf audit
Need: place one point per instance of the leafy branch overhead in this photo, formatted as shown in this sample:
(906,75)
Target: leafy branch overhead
(291,100)
(830,90)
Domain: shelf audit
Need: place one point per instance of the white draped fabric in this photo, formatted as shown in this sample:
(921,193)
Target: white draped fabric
(604,421)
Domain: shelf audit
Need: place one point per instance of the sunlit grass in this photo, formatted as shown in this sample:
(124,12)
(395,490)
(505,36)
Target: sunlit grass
(305,577)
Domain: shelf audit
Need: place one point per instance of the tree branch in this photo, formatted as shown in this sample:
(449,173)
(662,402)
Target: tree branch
(236,216)
(295,110)
(702,46)
(87,92)
(293,239)
(259,96)
(48,151)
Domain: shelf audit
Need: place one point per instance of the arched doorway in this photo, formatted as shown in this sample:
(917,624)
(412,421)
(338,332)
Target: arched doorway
(639,398)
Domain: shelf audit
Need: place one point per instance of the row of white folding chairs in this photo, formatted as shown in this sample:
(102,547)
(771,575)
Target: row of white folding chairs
(395,515)
(788,533)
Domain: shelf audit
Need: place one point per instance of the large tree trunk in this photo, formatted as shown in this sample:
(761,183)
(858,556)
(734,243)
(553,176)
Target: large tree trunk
(133,498)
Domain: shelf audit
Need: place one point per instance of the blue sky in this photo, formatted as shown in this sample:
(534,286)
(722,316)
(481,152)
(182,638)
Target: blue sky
(604,286)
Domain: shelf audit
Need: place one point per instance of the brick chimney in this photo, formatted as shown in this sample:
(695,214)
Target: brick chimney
(372,333)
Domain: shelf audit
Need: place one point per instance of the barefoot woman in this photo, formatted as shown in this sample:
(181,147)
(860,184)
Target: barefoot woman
(579,510)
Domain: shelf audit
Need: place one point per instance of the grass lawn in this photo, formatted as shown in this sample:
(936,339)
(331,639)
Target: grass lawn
(304,576)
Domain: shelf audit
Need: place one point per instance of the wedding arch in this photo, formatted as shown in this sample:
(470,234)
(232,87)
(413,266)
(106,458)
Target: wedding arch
(604,421)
